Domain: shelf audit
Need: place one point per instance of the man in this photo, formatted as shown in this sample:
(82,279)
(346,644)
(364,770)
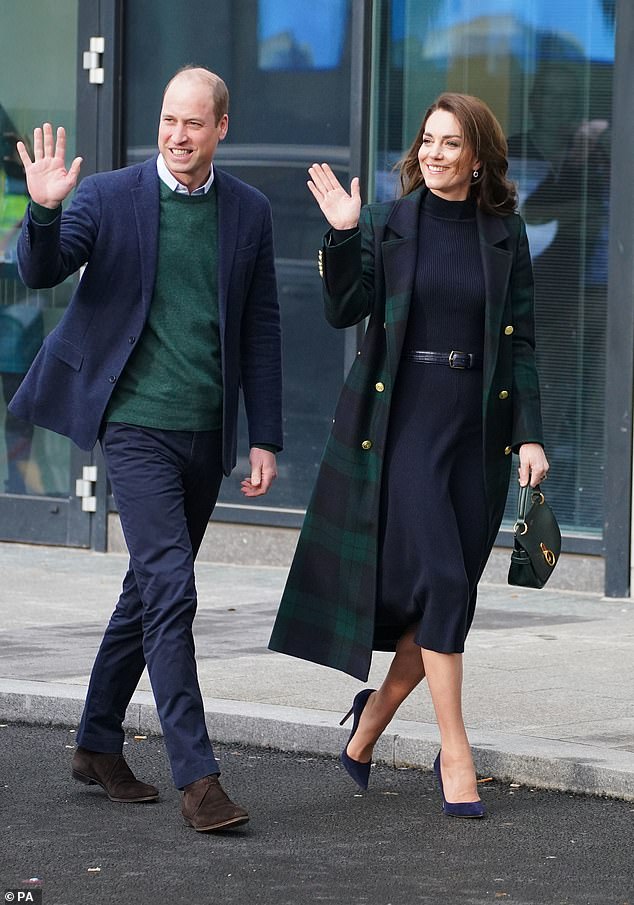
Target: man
(176,308)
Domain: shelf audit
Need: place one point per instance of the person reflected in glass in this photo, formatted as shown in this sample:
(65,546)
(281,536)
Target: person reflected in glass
(21,334)
(414,478)
(21,324)
(562,167)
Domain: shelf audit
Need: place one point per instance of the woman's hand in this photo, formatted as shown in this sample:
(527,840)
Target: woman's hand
(533,464)
(339,208)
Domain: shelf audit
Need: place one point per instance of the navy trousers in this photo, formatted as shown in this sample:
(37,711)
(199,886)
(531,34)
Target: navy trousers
(165,484)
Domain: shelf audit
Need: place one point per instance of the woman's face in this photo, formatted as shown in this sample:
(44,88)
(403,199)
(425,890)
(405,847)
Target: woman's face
(446,162)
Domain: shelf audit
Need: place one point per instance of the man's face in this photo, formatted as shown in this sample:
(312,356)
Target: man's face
(188,133)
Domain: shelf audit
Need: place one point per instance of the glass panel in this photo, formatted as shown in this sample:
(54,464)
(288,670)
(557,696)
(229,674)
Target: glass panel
(545,68)
(292,36)
(31,461)
(283,71)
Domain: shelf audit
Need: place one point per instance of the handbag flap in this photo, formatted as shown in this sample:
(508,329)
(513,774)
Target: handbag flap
(540,536)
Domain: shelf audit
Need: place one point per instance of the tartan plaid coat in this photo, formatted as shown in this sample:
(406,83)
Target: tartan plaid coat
(326,613)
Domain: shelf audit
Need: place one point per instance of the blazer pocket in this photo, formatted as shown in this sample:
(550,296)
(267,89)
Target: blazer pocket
(247,251)
(66,352)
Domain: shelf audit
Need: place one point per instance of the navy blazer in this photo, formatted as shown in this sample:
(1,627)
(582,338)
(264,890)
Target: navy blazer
(112,227)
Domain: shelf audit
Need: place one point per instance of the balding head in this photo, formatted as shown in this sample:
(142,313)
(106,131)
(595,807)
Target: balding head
(217,88)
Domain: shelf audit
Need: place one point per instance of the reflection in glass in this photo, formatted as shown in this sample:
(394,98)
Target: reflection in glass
(32,461)
(289,106)
(561,162)
(301,36)
(545,68)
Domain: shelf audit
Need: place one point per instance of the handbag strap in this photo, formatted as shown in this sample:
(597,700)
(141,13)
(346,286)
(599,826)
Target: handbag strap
(526,493)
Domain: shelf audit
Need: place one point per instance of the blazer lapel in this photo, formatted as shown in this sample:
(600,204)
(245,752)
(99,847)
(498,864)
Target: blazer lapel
(399,250)
(228,217)
(145,201)
(496,264)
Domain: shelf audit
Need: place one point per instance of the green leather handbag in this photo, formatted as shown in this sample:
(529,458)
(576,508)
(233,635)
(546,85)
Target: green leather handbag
(537,540)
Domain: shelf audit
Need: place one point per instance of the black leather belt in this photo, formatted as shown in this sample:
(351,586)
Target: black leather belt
(458,360)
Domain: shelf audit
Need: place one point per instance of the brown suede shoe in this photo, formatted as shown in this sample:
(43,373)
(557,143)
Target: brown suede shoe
(206,806)
(111,772)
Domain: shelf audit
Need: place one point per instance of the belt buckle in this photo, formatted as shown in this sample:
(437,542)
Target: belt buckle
(452,360)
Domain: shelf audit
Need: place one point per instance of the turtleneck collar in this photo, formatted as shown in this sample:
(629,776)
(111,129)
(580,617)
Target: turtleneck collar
(439,207)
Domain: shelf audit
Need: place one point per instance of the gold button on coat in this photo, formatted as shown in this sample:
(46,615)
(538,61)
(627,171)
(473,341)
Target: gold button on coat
(367,444)
(379,386)
(508,450)
(503,395)
(508,330)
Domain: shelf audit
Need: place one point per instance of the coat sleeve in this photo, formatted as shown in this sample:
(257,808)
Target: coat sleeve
(348,272)
(48,254)
(527,421)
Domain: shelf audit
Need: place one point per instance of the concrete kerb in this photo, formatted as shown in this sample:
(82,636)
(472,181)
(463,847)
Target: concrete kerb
(531,761)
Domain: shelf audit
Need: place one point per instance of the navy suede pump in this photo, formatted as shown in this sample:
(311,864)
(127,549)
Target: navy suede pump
(458,808)
(358,771)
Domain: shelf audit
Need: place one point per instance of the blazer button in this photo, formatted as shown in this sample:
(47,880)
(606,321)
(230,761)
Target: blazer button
(508,450)
(112,378)
(503,395)
(131,339)
(508,330)
(367,444)
(379,386)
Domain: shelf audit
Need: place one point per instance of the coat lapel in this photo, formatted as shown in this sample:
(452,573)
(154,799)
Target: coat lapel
(496,264)
(145,200)
(228,218)
(399,250)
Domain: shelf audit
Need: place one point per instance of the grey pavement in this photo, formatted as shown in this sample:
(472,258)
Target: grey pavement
(548,674)
(312,839)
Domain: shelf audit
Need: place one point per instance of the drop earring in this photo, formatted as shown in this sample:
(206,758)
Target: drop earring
(476,173)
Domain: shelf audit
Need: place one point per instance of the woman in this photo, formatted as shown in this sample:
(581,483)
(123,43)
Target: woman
(413,483)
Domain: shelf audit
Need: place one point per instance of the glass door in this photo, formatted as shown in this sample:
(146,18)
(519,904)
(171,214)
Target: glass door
(39,45)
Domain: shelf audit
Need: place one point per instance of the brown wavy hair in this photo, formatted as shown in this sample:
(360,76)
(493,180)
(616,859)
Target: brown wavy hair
(492,190)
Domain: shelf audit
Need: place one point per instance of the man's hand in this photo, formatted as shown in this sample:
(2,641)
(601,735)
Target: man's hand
(263,473)
(48,181)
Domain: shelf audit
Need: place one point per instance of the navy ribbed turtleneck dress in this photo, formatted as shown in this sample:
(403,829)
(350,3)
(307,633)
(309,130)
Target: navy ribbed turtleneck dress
(433,519)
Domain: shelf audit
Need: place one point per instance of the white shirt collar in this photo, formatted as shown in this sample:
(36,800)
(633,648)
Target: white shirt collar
(176,186)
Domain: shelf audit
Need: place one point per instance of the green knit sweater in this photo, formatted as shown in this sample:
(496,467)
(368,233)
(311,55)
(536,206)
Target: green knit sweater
(173,379)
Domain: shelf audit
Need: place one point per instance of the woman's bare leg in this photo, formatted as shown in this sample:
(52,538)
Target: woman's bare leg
(405,673)
(444,677)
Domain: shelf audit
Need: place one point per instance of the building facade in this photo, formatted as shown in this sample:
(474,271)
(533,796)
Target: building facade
(347,81)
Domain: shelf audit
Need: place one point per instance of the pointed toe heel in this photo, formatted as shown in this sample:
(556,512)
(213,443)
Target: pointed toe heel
(355,769)
(358,771)
(458,808)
